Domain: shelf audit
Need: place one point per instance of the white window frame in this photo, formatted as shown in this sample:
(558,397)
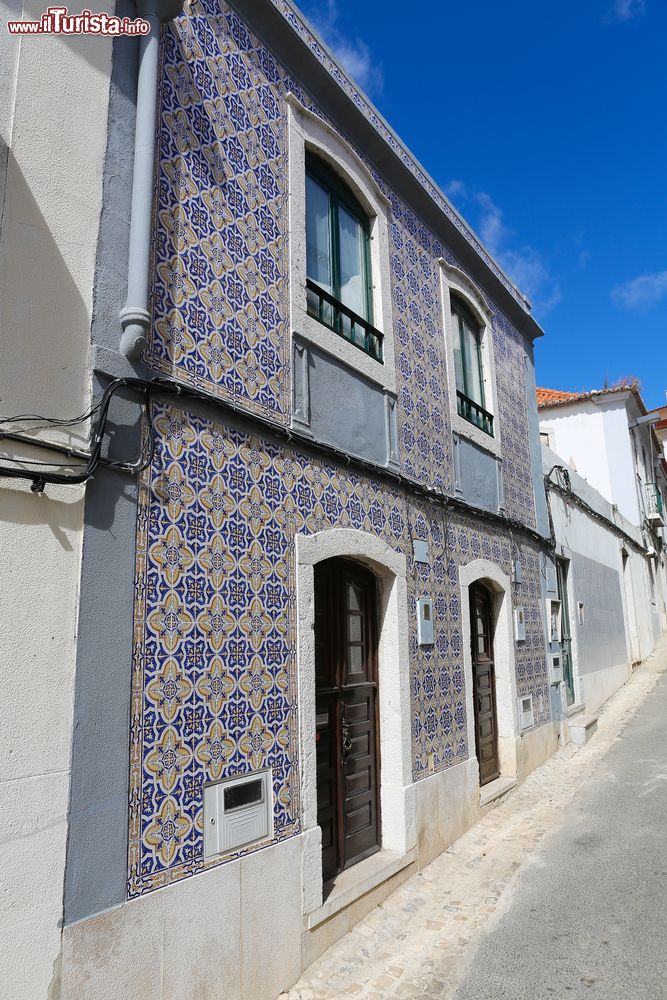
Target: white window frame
(455,282)
(310,133)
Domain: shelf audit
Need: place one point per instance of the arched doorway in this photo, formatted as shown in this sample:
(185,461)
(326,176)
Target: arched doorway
(484,682)
(346,730)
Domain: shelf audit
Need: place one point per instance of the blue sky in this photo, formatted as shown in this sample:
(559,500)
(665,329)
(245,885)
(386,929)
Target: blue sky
(546,124)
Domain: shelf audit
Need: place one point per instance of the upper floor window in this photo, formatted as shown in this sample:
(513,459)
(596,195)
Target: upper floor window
(469,367)
(338,261)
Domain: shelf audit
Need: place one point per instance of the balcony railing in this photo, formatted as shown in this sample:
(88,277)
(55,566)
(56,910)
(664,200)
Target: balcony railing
(476,414)
(654,506)
(343,321)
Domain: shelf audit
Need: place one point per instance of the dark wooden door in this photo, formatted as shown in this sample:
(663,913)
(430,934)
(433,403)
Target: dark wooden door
(346,714)
(565,631)
(484,683)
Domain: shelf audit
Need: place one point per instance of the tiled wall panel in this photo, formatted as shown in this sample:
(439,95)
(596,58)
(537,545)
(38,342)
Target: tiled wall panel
(220,297)
(214,672)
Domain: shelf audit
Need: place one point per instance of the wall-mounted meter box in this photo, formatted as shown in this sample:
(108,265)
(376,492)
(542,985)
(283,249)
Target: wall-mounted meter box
(420,550)
(526,714)
(425,621)
(237,811)
(555,668)
(520,624)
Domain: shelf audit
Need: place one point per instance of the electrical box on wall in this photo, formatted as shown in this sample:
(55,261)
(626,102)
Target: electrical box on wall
(237,812)
(520,624)
(526,715)
(420,550)
(555,668)
(425,621)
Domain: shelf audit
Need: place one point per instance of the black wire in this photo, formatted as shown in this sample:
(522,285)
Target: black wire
(166,386)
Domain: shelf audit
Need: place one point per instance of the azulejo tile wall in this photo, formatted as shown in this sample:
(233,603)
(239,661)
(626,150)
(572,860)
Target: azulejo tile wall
(220,297)
(214,682)
(220,289)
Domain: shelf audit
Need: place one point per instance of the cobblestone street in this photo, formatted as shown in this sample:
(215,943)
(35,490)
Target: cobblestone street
(420,943)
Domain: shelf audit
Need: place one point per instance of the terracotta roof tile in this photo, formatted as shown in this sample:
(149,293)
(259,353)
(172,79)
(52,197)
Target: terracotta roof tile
(547,397)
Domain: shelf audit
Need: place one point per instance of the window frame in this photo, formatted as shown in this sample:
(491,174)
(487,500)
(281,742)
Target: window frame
(456,285)
(461,315)
(340,194)
(307,133)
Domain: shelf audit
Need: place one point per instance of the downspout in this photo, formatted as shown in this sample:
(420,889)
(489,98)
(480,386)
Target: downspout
(134,317)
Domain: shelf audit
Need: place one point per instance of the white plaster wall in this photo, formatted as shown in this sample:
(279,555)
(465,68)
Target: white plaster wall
(40,544)
(49,226)
(621,462)
(595,438)
(232,932)
(53,107)
(577,436)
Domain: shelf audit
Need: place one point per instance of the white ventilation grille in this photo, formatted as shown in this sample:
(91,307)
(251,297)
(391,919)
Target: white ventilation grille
(526,716)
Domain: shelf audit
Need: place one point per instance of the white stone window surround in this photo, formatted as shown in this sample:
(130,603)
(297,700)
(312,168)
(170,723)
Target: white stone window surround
(454,281)
(397,792)
(486,572)
(308,132)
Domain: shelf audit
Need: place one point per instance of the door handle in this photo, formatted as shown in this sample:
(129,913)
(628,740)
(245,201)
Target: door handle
(347,740)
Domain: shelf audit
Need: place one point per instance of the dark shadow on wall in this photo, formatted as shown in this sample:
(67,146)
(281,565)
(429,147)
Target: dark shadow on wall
(41,369)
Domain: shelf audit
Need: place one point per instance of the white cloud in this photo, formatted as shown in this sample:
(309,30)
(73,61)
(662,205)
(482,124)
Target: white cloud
(641,293)
(625,10)
(352,53)
(456,189)
(524,264)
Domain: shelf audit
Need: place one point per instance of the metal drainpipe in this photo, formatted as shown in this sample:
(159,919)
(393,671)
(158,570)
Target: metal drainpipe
(134,317)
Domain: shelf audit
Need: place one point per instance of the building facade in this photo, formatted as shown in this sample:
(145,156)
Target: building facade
(597,586)
(609,438)
(304,591)
(53,104)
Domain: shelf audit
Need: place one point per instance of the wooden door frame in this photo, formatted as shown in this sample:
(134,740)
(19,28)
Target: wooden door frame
(344,568)
(398,825)
(487,594)
(499,584)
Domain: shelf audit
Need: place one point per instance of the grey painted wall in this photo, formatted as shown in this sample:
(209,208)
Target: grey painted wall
(541,512)
(112,248)
(340,407)
(96,866)
(601,638)
(477,476)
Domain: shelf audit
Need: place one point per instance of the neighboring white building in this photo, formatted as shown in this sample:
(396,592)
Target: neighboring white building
(598,581)
(660,426)
(53,107)
(608,437)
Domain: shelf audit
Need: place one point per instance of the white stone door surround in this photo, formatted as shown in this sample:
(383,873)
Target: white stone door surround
(485,571)
(397,800)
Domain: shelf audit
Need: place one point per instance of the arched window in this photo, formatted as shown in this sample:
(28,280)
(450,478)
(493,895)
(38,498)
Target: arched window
(338,269)
(469,367)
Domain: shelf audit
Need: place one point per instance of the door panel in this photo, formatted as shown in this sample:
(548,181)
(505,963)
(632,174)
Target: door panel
(484,684)
(347,736)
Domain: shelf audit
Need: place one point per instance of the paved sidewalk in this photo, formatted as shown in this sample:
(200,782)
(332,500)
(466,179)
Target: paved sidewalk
(420,942)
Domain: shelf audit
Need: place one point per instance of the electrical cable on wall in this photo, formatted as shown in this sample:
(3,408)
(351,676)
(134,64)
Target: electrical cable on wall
(160,387)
